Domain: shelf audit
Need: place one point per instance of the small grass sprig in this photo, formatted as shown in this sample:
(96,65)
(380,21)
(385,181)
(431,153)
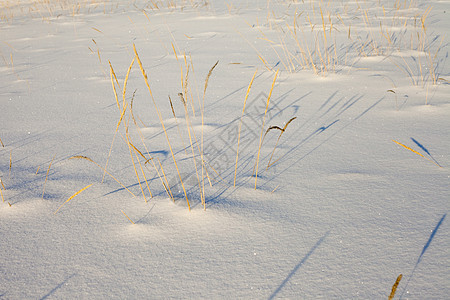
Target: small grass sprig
(128,217)
(46,176)
(1,193)
(394,287)
(73,196)
(414,151)
(282,130)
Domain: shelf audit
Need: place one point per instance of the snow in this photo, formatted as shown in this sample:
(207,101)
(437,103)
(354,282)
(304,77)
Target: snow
(340,214)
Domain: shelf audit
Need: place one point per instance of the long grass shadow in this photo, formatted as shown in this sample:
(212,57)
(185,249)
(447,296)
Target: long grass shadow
(58,287)
(425,248)
(295,269)
(314,134)
(425,150)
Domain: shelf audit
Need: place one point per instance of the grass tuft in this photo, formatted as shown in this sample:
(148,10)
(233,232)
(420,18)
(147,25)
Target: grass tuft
(161,121)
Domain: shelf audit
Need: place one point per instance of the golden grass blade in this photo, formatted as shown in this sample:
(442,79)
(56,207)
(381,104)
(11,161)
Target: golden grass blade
(189,128)
(127,217)
(202,108)
(126,80)
(274,189)
(111,71)
(3,145)
(46,176)
(166,187)
(414,151)
(178,126)
(162,122)
(73,196)
(114,137)
(90,160)
(136,152)
(262,127)
(1,194)
(209,75)
(240,124)
(134,165)
(394,287)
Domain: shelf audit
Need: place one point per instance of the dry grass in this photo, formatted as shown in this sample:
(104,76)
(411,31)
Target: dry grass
(46,176)
(418,153)
(1,193)
(282,130)
(394,287)
(161,122)
(262,127)
(240,124)
(71,197)
(127,217)
(90,160)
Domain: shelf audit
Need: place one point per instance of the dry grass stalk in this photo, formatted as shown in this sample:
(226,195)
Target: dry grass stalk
(111,71)
(124,105)
(134,165)
(90,160)
(240,125)
(178,127)
(162,123)
(136,152)
(126,81)
(1,193)
(189,128)
(1,142)
(165,181)
(262,127)
(274,189)
(73,196)
(207,77)
(114,137)
(202,133)
(414,151)
(282,130)
(46,176)
(127,217)
(394,287)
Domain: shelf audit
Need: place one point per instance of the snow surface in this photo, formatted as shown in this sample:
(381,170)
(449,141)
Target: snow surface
(342,212)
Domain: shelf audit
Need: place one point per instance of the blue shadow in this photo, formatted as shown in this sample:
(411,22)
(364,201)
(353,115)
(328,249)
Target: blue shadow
(292,273)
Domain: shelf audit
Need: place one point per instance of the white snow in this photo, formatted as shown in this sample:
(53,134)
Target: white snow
(340,214)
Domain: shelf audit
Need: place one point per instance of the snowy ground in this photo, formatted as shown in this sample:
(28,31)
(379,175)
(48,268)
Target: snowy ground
(340,214)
